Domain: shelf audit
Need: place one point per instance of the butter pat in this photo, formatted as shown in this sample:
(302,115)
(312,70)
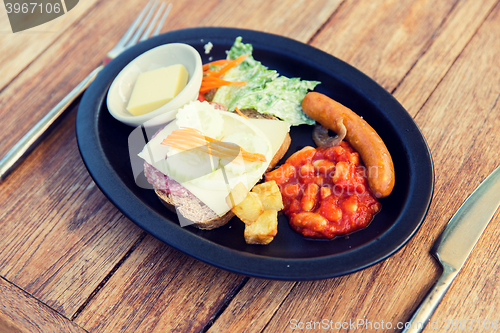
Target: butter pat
(156,88)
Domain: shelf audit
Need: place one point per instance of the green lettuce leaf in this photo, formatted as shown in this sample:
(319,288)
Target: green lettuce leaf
(266,91)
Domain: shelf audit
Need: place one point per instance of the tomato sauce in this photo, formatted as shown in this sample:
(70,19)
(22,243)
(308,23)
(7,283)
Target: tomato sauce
(325,191)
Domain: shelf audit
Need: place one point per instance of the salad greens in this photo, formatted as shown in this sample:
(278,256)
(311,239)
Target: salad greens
(265,90)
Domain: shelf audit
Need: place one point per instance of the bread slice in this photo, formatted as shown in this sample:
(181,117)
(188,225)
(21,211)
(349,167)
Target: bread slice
(196,211)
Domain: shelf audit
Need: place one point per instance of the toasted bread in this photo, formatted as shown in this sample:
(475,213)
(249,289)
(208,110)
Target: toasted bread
(196,211)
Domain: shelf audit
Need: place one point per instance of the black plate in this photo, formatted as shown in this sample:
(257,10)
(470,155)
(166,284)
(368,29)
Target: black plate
(103,146)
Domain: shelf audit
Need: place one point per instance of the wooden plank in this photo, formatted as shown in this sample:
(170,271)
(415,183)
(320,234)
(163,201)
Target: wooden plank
(353,302)
(466,155)
(159,289)
(445,46)
(21,313)
(383,39)
(22,48)
(253,306)
(295,19)
(71,235)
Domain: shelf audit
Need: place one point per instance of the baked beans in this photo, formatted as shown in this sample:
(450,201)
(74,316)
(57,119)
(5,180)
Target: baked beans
(325,191)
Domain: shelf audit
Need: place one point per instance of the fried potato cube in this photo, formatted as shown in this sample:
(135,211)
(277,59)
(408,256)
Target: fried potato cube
(264,229)
(249,209)
(236,195)
(270,195)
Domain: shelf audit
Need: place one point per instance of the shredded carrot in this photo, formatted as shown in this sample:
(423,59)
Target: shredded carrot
(210,83)
(224,64)
(213,71)
(216,63)
(186,138)
(239,112)
(231,64)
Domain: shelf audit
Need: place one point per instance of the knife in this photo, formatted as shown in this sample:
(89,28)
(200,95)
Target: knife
(456,242)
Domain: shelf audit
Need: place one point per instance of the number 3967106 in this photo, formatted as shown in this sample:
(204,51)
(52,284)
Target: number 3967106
(32,7)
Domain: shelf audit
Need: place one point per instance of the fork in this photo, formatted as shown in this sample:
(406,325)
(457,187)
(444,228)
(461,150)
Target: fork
(137,32)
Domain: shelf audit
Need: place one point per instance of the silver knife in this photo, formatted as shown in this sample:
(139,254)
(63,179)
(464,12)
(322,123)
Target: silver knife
(456,242)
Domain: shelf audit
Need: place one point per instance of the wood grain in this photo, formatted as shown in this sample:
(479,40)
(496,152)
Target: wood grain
(158,289)
(72,236)
(67,253)
(19,50)
(468,153)
(295,19)
(254,306)
(383,39)
(21,313)
(445,46)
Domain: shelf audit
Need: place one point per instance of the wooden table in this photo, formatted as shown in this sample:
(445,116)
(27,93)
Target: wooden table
(71,262)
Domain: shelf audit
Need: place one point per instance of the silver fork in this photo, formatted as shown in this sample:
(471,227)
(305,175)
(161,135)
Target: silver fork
(138,31)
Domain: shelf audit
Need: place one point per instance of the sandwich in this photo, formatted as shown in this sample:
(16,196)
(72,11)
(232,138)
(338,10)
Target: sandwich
(194,181)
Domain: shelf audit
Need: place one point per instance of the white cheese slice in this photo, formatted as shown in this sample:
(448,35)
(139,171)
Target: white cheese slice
(275,131)
(154,152)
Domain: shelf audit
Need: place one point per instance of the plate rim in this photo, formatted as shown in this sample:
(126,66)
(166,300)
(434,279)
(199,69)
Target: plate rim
(198,247)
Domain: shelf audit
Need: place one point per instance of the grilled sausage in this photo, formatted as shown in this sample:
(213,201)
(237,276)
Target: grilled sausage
(361,136)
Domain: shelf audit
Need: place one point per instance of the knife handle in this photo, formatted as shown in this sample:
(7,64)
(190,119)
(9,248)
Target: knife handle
(424,312)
